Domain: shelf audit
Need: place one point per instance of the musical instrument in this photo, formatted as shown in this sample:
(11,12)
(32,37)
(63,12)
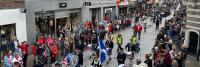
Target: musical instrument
(71,59)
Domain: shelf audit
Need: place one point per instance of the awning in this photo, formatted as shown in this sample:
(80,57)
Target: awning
(65,13)
(61,14)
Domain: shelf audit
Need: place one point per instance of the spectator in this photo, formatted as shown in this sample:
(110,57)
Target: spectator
(60,45)
(139,31)
(80,57)
(148,61)
(167,59)
(14,47)
(24,47)
(121,57)
(119,41)
(41,40)
(179,59)
(140,64)
(58,65)
(16,64)
(95,61)
(17,59)
(34,48)
(8,59)
(54,52)
(49,40)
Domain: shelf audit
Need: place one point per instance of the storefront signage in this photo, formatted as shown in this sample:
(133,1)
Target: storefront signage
(108,10)
(63,5)
(88,4)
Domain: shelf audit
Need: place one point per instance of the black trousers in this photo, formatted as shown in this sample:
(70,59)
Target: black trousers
(119,47)
(25,56)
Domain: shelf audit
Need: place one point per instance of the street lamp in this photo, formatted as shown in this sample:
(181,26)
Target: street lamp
(42,23)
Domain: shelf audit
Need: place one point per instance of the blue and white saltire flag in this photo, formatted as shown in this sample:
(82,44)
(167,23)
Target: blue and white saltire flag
(102,51)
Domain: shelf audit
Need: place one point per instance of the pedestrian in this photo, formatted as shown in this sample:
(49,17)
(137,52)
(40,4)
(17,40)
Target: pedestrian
(139,31)
(60,45)
(148,61)
(49,40)
(121,57)
(110,46)
(119,41)
(95,61)
(133,43)
(139,63)
(41,57)
(167,59)
(80,58)
(184,51)
(17,64)
(54,52)
(58,65)
(8,59)
(66,46)
(145,27)
(128,47)
(24,47)
(14,47)
(34,49)
(179,59)
(135,29)
(157,22)
(41,40)
(17,59)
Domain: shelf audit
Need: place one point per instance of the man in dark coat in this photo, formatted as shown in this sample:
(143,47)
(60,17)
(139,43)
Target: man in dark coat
(148,61)
(121,57)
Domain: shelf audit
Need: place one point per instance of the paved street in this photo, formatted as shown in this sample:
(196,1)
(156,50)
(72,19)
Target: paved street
(147,42)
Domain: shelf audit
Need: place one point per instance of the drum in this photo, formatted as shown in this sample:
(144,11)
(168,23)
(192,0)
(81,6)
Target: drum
(72,60)
(129,55)
(89,46)
(121,65)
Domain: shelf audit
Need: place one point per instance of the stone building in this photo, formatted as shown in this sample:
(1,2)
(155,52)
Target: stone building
(193,26)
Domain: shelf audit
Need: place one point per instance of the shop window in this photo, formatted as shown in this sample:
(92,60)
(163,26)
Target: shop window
(7,32)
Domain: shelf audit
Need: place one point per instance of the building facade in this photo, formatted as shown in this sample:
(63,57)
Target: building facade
(98,9)
(192,26)
(45,16)
(12,21)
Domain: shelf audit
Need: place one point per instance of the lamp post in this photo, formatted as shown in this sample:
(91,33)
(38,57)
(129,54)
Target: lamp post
(42,23)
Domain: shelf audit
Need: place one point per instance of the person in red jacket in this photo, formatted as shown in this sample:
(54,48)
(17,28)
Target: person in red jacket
(54,52)
(34,48)
(135,29)
(24,48)
(139,31)
(41,40)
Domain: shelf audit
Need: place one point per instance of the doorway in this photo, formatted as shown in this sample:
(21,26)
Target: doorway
(193,41)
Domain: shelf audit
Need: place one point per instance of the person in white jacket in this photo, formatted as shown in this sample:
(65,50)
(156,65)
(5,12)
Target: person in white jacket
(17,59)
(139,63)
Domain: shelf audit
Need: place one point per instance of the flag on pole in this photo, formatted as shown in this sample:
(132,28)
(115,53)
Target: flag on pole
(102,51)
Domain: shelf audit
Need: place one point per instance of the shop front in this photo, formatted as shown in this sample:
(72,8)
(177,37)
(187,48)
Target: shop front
(95,15)
(110,13)
(53,22)
(7,32)
(12,25)
(67,21)
(44,23)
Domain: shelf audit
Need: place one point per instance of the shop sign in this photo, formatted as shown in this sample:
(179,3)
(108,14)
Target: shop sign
(63,5)
(88,4)
(108,10)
